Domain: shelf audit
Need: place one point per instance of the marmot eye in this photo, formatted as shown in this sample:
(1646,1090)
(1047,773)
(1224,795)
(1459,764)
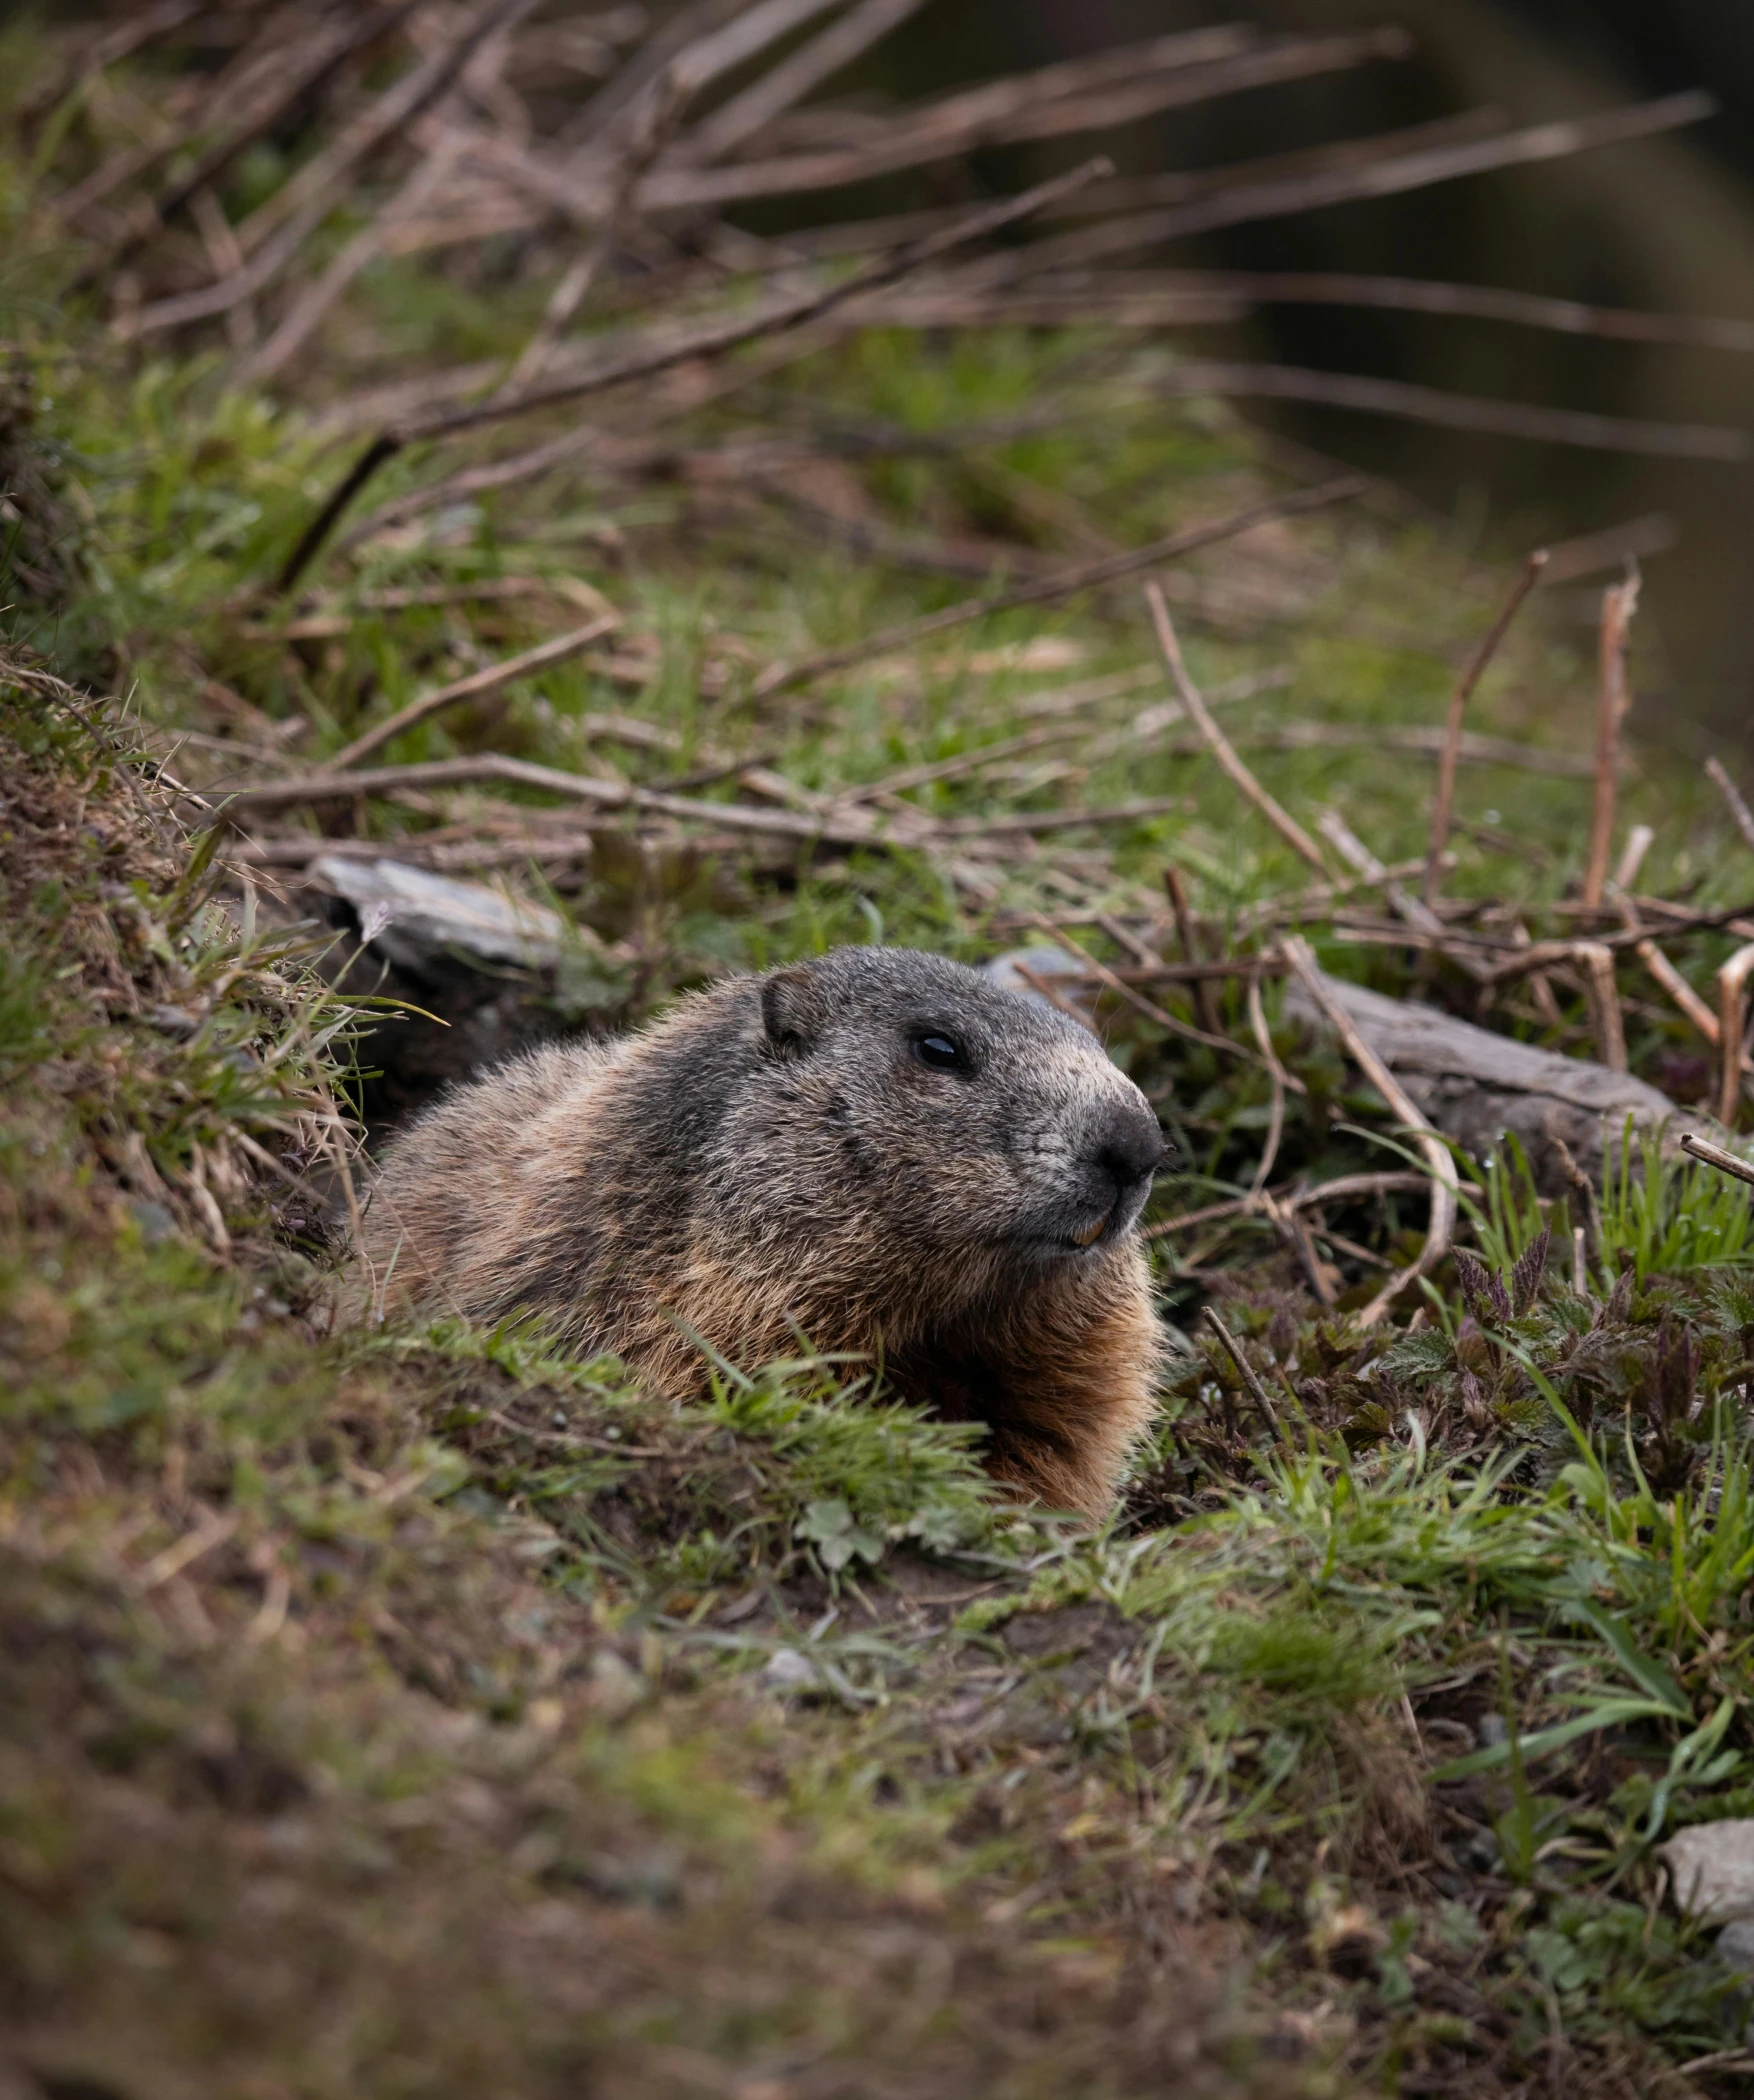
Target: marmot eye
(943,1053)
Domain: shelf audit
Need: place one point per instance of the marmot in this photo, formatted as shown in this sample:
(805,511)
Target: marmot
(880,1152)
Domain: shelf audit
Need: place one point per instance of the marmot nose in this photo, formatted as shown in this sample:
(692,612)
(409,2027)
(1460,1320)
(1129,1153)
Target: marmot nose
(1129,1147)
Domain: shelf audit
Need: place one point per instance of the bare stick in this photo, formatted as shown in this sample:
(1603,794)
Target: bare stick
(1122,86)
(1443,1167)
(1716,1156)
(359,254)
(1526,579)
(1595,961)
(1659,965)
(1639,841)
(1257,1391)
(1205,992)
(1138,1002)
(1479,301)
(1219,744)
(289,84)
(651,124)
(1247,202)
(1425,404)
(1619,603)
(576,787)
(1732,1025)
(1064,583)
(475,687)
(647,363)
(1741,815)
(1277,1073)
(1346,1189)
(783,86)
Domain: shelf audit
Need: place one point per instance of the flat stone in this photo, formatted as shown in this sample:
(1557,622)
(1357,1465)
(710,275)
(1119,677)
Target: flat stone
(411,913)
(1711,1866)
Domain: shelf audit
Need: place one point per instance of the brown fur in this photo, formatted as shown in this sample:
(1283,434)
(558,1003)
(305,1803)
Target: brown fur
(777,1158)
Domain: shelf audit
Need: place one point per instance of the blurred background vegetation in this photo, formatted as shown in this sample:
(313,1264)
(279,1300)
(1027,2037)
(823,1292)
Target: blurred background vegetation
(1665,223)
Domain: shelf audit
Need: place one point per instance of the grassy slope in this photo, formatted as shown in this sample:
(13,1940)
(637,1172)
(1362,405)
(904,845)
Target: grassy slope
(402,1713)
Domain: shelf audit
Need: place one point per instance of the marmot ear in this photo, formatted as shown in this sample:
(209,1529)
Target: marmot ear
(792,1010)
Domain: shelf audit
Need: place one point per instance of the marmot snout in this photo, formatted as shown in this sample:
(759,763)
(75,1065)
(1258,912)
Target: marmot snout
(879,1150)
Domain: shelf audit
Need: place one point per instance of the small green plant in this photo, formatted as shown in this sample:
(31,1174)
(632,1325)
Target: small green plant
(1665,1214)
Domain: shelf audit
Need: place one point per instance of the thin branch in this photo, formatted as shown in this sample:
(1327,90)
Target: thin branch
(1063,583)
(1277,1073)
(1205,992)
(1115,87)
(1219,744)
(1473,301)
(1732,1024)
(1716,1156)
(783,86)
(1595,963)
(647,363)
(475,687)
(577,787)
(1666,974)
(1740,814)
(1443,1167)
(1245,1370)
(1526,579)
(1248,202)
(1148,1008)
(1425,404)
(1619,603)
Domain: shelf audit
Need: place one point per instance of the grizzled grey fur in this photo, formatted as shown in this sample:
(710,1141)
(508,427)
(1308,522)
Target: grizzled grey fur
(802,1152)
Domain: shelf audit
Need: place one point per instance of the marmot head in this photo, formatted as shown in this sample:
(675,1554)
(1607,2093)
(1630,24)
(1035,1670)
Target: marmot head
(899,1100)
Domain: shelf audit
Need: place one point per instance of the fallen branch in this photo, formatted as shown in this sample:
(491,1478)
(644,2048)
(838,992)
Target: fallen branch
(1247,202)
(1474,1086)
(1148,1008)
(578,787)
(1093,94)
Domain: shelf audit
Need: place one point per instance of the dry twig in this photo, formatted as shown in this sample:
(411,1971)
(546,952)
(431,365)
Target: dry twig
(1732,1027)
(1526,580)
(1619,603)
(1219,744)
(1740,814)
(1245,1370)
(1443,1167)
(1064,583)
(475,687)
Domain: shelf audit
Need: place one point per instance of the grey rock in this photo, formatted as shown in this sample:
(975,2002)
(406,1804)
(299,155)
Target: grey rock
(408,913)
(1475,1085)
(788,1671)
(1711,1868)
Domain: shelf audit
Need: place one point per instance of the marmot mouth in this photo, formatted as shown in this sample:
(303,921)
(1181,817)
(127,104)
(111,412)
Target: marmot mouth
(1092,1233)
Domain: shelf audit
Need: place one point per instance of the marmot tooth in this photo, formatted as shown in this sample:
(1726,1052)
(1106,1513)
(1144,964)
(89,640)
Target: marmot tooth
(695,1181)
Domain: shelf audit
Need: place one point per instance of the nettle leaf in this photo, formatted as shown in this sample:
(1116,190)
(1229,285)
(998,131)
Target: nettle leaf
(1531,1268)
(1483,1290)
